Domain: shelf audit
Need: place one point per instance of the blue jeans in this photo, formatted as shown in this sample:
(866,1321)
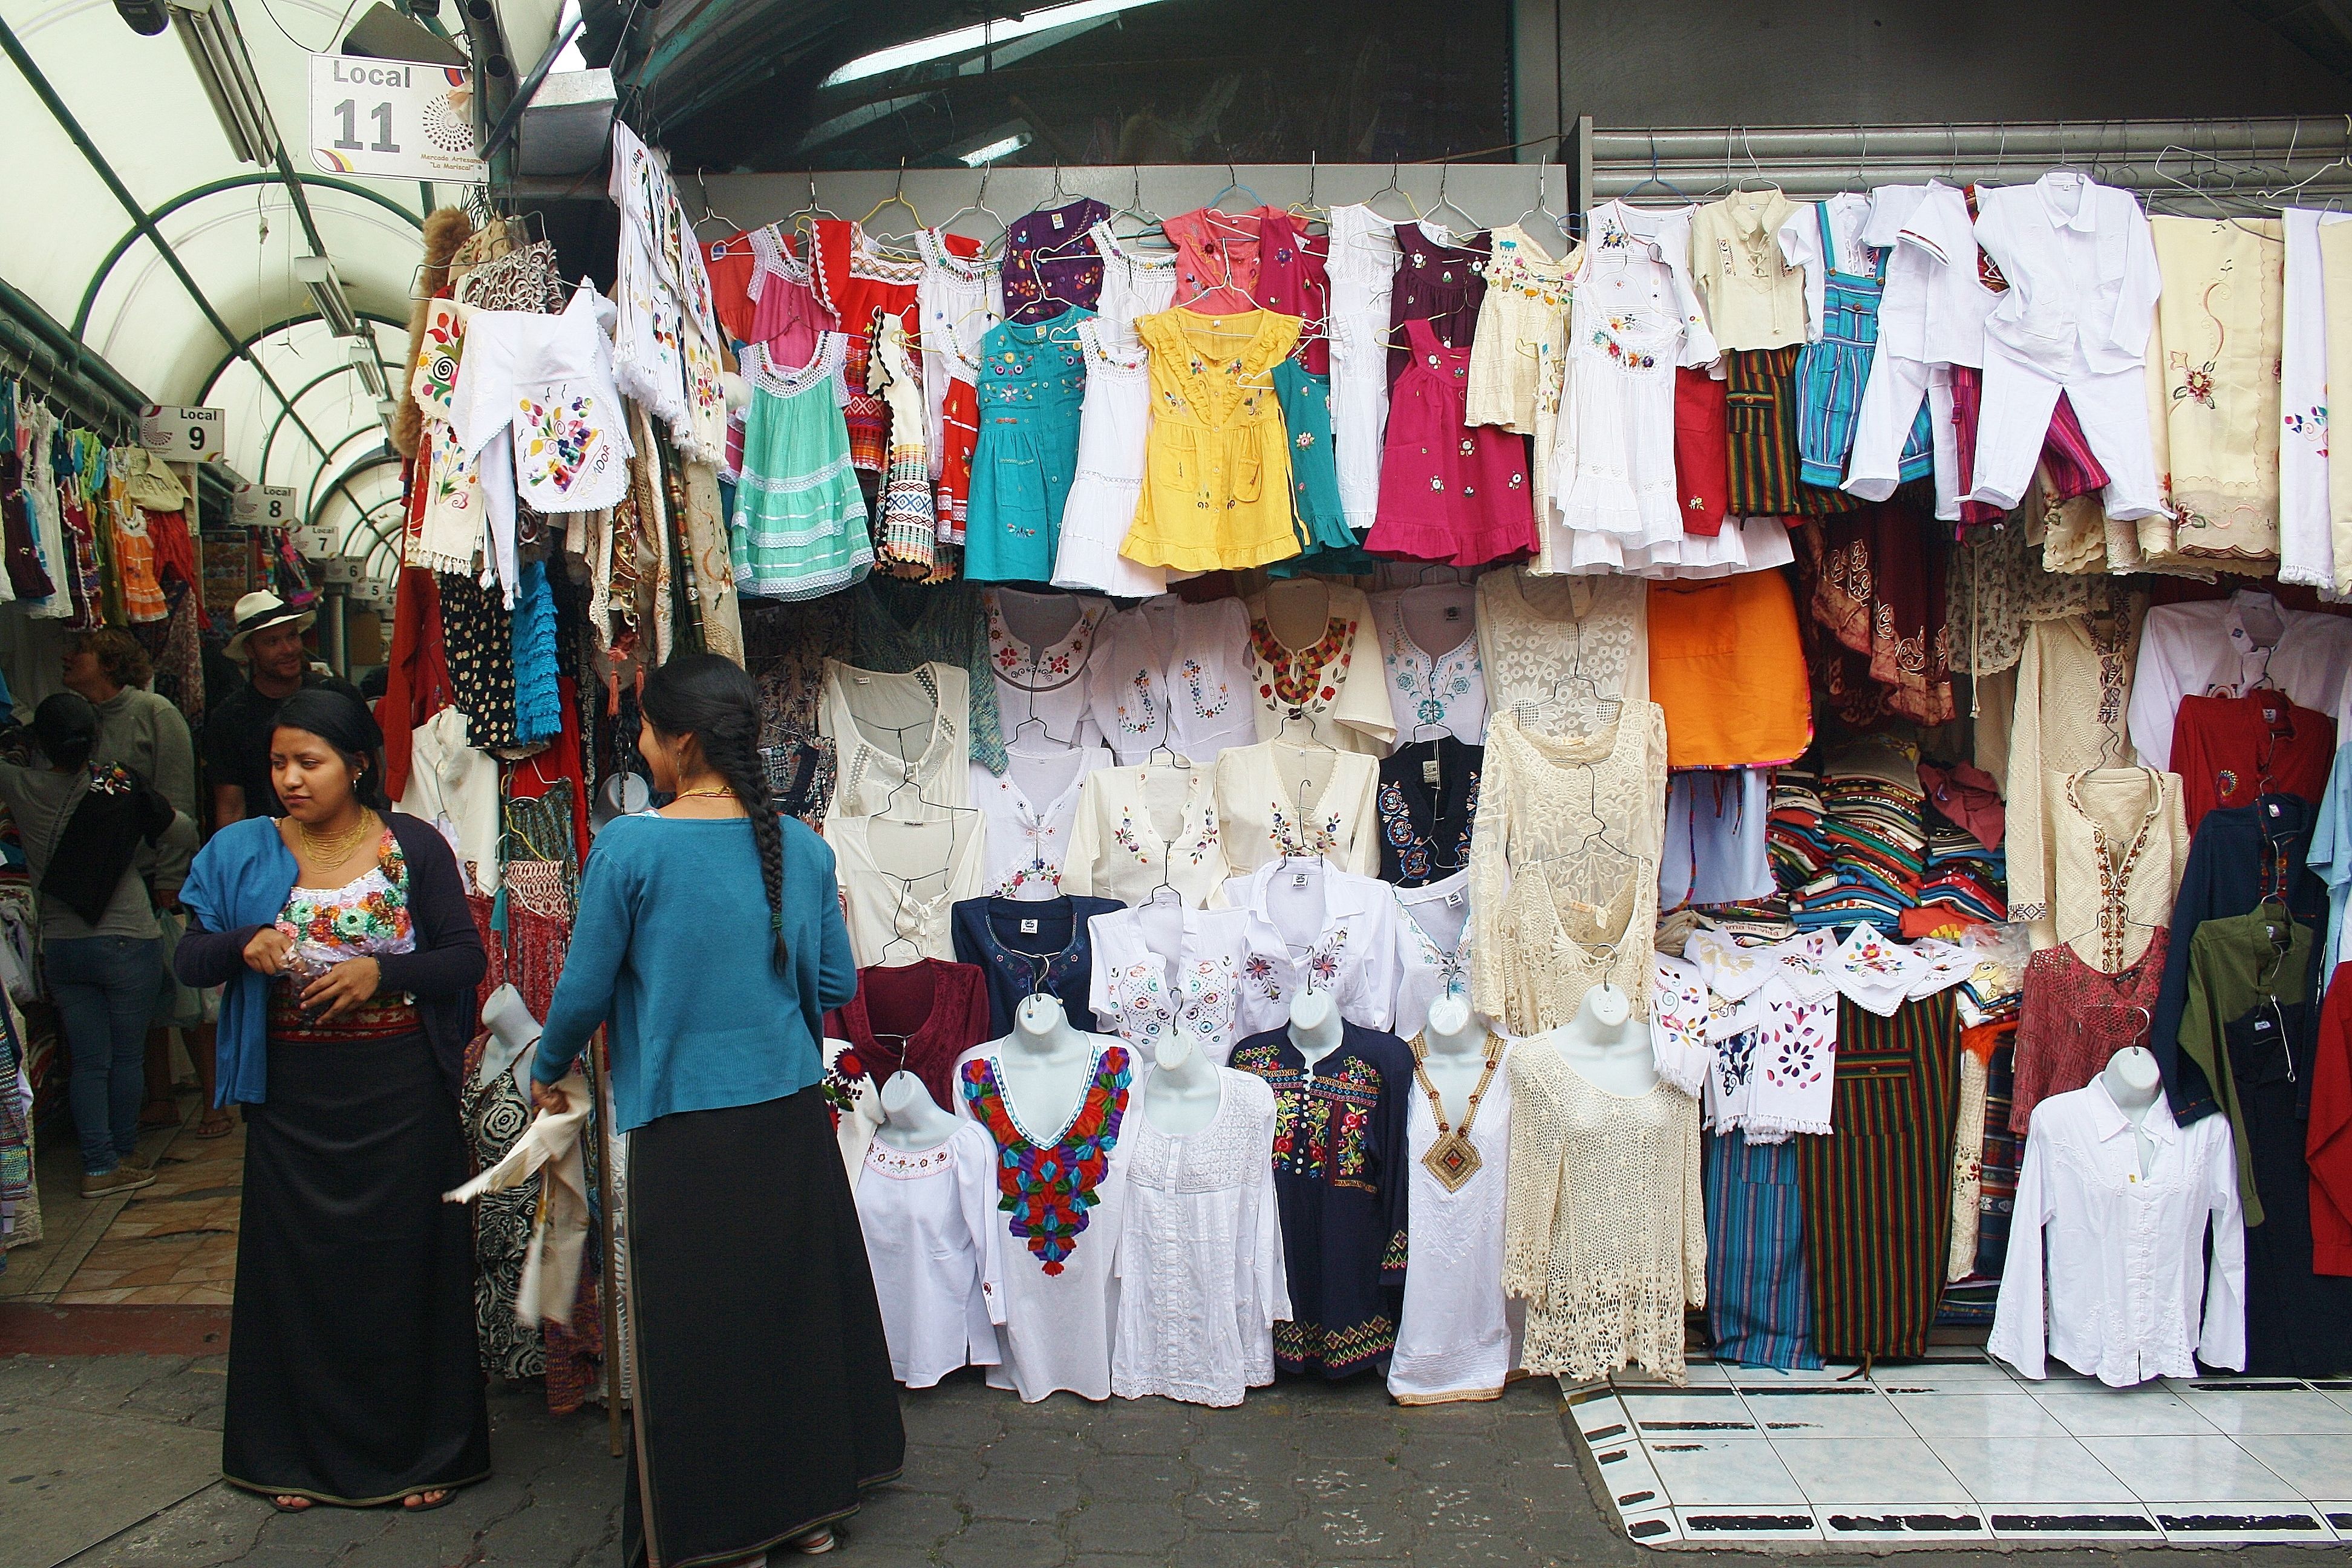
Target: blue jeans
(104,987)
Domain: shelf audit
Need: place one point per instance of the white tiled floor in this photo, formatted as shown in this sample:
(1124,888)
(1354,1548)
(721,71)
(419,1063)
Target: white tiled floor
(1961,1449)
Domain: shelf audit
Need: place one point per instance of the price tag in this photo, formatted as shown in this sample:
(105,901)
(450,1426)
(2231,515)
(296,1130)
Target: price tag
(264,506)
(395,120)
(182,434)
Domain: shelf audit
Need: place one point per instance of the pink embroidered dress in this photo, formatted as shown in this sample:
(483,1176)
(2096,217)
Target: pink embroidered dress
(1448,492)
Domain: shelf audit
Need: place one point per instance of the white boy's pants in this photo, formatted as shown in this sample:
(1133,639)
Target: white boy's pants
(2013,419)
(1890,405)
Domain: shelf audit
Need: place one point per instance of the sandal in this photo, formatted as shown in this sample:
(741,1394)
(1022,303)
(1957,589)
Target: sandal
(414,1502)
(289,1503)
(819,1540)
(215,1124)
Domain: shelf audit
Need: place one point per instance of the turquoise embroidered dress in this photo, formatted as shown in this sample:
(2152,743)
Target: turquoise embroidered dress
(1328,544)
(799,530)
(1032,382)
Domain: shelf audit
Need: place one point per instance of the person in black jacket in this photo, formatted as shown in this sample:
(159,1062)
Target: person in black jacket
(350,961)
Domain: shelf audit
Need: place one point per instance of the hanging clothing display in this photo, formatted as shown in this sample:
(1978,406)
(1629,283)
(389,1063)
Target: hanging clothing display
(1314,927)
(1522,328)
(898,739)
(1061,1204)
(1432,942)
(2219,336)
(2076,1018)
(1727,664)
(1844,285)
(1319,668)
(1615,500)
(1175,676)
(1164,972)
(1051,264)
(931,1233)
(1041,650)
(1438,281)
(915,1018)
(2307,542)
(1135,829)
(800,522)
(1293,279)
(1713,847)
(1114,426)
(2130,1297)
(1449,492)
(1428,803)
(2073,693)
(1606,1236)
(907,515)
(1362,269)
(1541,637)
(1877,1279)
(959,300)
(1029,812)
(1027,948)
(1429,657)
(2227,750)
(1216,490)
(1134,283)
(1343,1188)
(1201,1277)
(1759,1305)
(2226,647)
(2118,843)
(1754,298)
(1326,544)
(900,880)
(1458,1338)
(1878,590)
(1033,385)
(1276,799)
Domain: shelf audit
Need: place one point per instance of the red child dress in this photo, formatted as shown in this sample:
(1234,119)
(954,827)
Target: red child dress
(1448,492)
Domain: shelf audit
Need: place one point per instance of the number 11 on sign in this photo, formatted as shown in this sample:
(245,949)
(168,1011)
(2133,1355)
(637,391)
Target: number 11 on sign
(348,141)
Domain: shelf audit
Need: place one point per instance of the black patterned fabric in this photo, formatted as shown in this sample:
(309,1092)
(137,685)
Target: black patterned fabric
(479,634)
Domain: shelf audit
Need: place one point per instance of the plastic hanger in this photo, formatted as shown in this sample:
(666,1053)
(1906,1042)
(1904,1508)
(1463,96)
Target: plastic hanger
(1656,179)
(1234,186)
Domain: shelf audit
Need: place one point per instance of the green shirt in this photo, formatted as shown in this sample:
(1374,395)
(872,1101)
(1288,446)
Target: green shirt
(2234,968)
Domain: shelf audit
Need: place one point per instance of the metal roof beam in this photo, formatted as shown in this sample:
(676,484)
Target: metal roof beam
(237,351)
(278,422)
(198,192)
(39,82)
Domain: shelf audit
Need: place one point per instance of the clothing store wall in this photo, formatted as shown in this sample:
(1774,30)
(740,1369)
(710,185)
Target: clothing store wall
(1842,62)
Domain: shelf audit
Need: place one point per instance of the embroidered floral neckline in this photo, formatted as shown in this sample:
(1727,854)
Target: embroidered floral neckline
(1295,677)
(1049,1188)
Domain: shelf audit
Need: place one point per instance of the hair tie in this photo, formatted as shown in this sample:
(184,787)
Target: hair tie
(776,922)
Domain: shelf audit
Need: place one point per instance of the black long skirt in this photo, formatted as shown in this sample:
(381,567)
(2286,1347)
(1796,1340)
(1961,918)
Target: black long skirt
(352,1372)
(763,1404)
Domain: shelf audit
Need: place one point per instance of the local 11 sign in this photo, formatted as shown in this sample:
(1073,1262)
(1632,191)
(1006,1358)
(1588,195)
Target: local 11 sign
(393,120)
(182,434)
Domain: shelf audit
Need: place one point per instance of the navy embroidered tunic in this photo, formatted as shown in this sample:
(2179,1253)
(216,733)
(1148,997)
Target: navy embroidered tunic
(1340,1181)
(1027,945)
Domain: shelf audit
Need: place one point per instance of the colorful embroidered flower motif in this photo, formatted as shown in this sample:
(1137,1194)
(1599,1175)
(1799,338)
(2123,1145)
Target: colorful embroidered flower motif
(1048,1189)
(560,440)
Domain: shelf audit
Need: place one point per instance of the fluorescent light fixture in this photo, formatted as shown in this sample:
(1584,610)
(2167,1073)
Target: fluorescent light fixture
(387,409)
(370,369)
(1003,148)
(317,274)
(217,49)
(898,57)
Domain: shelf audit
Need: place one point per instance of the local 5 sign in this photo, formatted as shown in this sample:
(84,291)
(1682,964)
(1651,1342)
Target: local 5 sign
(395,120)
(182,434)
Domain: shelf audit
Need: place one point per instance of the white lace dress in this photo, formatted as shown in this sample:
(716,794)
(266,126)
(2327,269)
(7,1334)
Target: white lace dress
(1611,473)
(1114,423)
(1459,1337)
(1606,1229)
(1200,1274)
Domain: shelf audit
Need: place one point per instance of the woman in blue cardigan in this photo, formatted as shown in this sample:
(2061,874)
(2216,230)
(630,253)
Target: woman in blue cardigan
(709,939)
(350,960)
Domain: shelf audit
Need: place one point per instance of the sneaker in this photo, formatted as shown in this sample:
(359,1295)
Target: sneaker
(135,1162)
(123,1178)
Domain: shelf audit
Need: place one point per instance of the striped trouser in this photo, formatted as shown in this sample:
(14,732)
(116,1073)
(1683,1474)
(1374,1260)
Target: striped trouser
(1878,1191)
(1759,392)
(1758,1309)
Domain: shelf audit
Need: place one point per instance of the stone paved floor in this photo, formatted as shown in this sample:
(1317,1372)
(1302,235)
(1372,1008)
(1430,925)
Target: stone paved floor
(1301,1475)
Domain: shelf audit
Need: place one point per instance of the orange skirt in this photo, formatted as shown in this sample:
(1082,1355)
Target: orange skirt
(1726,665)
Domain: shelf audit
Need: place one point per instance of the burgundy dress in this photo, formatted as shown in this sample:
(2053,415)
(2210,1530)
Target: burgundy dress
(1438,283)
(1448,492)
(919,1017)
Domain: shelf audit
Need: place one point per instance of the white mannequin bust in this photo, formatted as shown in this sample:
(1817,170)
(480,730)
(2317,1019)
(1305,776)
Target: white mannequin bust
(1609,1048)
(913,1123)
(1314,1025)
(1457,1041)
(513,1032)
(1182,1093)
(1045,1065)
(2133,1083)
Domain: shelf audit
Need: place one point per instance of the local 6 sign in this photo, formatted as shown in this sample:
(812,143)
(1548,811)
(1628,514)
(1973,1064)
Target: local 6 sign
(395,120)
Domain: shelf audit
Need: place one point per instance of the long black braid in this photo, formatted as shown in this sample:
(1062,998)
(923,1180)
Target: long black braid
(711,697)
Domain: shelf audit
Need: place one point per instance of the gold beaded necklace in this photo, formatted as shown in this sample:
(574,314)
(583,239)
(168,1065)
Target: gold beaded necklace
(329,849)
(1452,1158)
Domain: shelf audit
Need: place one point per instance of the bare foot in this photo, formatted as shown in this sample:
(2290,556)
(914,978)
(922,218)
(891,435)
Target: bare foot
(290,1504)
(417,1502)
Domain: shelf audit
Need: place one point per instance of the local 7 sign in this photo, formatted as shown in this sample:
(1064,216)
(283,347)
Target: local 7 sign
(393,120)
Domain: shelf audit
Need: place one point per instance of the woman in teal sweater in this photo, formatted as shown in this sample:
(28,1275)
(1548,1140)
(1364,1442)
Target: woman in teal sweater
(709,938)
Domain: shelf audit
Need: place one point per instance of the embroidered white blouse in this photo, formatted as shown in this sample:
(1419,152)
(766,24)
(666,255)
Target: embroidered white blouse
(1277,797)
(900,740)
(1163,971)
(1042,648)
(930,1234)
(1175,675)
(1433,947)
(1136,828)
(1314,924)
(1030,809)
(1316,662)
(1440,685)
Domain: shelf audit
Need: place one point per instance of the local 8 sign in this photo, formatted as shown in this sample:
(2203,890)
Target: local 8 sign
(182,434)
(264,506)
(393,120)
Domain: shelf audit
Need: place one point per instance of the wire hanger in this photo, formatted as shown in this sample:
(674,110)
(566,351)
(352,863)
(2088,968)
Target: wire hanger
(1541,209)
(1308,209)
(702,182)
(1657,179)
(897,197)
(1469,224)
(1135,209)
(1234,186)
(978,203)
(1371,202)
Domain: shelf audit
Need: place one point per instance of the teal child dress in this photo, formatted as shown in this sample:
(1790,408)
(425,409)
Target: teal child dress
(1032,385)
(799,528)
(1327,544)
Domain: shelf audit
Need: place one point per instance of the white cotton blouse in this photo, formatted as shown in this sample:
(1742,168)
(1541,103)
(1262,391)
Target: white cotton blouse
(1162,973)
(1041,647)
(1029,810)
(1459,1336)
(931,1238)
(1175,675)
(900,740)
(1314,926)
(1439,688)
(1276,797)
(1201,1273)
(1317,663)
(900,882)
(1134,828)
(1433,947)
